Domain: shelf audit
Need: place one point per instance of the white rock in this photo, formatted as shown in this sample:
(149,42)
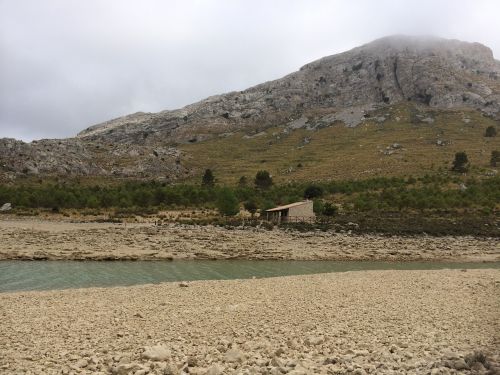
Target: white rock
(156,353)
(82,363)
(234,355)
(214,370)
(6,207)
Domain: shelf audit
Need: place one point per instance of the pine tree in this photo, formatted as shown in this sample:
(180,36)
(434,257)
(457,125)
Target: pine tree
(227,203)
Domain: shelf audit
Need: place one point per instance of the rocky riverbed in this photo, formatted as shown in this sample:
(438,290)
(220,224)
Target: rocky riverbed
(43,239)
(369,322)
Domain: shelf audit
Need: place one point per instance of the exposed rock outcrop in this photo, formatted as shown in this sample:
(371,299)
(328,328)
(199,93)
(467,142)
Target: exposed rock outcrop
(434,72)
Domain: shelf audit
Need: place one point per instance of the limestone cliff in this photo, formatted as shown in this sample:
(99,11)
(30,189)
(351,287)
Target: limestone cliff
(434,72)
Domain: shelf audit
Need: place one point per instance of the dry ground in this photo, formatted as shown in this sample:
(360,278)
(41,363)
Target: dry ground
(376,322)
(42,239)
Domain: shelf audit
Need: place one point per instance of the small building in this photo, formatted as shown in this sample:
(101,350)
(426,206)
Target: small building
(293,212)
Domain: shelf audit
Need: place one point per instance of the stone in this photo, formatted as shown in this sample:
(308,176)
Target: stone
(478,367)
(192,361)
(6,207)
(450,355)
(315,340)
(460,364)
(125,369)
(276,362)
(156,353)
(214,370)
(170,369)
(82,363)
(234,355)
(183,284)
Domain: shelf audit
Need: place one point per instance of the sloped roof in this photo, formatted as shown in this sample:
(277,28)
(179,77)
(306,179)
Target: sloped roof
(279,208)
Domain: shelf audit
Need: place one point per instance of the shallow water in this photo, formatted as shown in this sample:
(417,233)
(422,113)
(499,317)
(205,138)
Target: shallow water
(46,275)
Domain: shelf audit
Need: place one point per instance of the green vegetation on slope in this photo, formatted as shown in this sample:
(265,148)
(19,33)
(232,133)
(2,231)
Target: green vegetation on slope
(380,194)
(401,140)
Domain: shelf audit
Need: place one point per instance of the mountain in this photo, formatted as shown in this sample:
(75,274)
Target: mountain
(394,85)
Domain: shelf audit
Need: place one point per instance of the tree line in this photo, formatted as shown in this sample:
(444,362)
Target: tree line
(381,193)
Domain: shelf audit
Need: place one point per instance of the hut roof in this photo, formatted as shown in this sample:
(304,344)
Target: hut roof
(279,208)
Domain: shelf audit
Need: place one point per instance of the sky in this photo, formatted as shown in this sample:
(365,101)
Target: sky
(69,64)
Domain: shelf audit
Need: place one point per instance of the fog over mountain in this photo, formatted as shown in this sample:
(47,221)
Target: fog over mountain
(66,65)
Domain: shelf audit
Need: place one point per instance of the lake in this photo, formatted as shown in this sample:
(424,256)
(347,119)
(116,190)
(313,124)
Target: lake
(47,275)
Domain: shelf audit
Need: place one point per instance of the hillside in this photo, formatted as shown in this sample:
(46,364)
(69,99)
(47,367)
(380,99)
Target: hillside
(400,140)
(398,105)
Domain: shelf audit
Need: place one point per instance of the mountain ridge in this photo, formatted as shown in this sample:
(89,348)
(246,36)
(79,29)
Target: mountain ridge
(345,88)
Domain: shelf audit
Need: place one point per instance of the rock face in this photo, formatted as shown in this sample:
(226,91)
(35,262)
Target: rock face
(433,72)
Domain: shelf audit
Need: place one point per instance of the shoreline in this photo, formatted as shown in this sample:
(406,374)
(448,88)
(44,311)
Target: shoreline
(366,322)
(156,260)
(29,239)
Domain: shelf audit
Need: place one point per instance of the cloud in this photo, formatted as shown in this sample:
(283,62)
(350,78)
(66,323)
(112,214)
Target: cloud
(68,64)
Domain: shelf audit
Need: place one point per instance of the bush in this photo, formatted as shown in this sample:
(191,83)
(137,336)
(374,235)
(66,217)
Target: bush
(208,178)
(490,132)
(227,203)
(495,158)
(263,180)
(329,209)
(243,181)
(461,163)
(251,207)
(318,206)
(313,191)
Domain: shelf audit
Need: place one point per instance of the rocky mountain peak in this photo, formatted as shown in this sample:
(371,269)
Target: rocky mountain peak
(429,71)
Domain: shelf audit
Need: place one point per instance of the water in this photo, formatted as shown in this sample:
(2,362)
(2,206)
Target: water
(46,275)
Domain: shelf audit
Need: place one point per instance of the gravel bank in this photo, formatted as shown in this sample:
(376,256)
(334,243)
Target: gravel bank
(38,239)
(376,322)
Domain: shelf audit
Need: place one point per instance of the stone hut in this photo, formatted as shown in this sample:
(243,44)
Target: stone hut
(293,212)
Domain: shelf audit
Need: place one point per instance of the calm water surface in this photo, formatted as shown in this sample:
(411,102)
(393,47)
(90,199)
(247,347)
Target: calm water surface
(46,275)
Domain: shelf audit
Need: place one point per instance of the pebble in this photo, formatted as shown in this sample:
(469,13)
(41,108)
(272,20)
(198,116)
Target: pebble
(370,322)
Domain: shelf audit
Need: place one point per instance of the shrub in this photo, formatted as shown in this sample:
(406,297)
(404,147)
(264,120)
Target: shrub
(461,163)
(263,180)
(318,206)
(208,178)
(495,158)
(329,209)
(243,181)
(251,207)
(490,132)
(227,203)
(313,191)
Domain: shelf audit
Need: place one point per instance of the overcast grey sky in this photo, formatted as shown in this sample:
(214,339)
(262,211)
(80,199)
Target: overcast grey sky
(69,64)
